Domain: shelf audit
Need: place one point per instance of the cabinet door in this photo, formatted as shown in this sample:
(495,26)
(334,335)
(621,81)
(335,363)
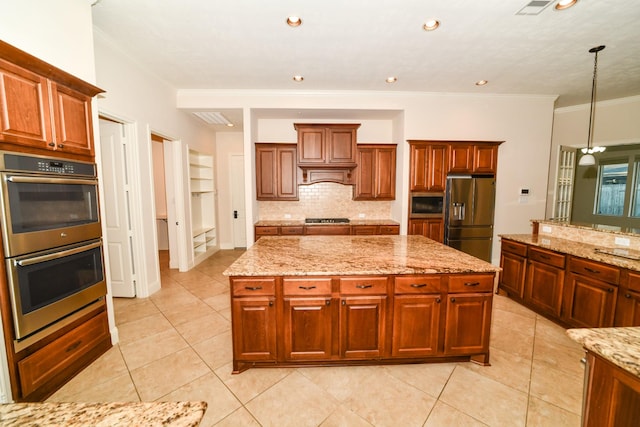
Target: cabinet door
(365,188)
(286,173)
(24,107)
(416,325)
(628,308)
(513,273)
(588,303)
(341,145)
(362,326)
(543,287)
(254,328)
(461,158)
(276,172)
(437,171)
(307,328)
(74,131)
(311,145)
(431,228)
(266,172)
(419,176)
(468,324)
(485,159)
(385,173)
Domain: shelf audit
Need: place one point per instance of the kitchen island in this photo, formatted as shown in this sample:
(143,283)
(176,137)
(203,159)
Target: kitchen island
(336,300)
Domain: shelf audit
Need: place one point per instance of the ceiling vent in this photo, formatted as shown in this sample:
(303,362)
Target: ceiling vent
(534,7)
(213,118)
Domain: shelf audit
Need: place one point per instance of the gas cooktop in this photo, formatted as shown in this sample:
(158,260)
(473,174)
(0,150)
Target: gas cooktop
(327,220)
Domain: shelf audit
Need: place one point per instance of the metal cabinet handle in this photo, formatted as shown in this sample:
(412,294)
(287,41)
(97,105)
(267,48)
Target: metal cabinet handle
(364,286)
(270,303)
(627,295)
(344,302)
(610,290)
(307,288)
(52,144)
(544,256)
(418,285)
(438,300)
(328,302)
(253,288)
(591,270)
(453,300)
(60,145)
(472,283)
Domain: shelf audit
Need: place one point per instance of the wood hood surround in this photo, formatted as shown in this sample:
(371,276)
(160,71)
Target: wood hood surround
(326,152)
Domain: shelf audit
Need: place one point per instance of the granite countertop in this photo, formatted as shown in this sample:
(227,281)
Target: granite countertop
(577,248)
(620,346)
(174,414)
(300,222)
(615,229)
(353,255)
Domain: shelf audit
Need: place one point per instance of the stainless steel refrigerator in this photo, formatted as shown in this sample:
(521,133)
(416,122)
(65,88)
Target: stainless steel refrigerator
(470,204)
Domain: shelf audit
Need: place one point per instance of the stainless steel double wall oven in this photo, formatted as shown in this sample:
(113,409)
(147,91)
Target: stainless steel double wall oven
(51,236)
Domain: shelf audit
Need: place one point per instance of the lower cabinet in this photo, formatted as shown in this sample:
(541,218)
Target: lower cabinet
(432,228)
(628,304)
(513,262)
(334,320)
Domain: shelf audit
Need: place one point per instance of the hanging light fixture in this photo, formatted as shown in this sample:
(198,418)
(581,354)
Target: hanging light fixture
(588,159)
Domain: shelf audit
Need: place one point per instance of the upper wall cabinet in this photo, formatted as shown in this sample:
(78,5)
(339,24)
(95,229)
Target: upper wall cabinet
(42,107)
(276,172)
(477,157)
(376,172)
(428,167)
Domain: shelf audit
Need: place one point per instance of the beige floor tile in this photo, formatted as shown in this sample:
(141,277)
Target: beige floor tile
(221,402)
(444,415)
(141,328)
(506,368)
(208,289)
(341,382)
(557,386)
(484,399)
(378,402)
(118,389)
(240,418)
(188,312)
(552,333)
(168,374)
(295,401)
(203,328)
(543,414)
(128,312)
(343,417)
(559,356)
(506,320)
(249,384)
(219,302)
(226,313)
(512,341)
(172,299)
(149,349)
(428,377)
(502,302)
(216,351)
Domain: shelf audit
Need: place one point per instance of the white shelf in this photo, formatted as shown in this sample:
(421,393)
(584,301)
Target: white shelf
(202,188)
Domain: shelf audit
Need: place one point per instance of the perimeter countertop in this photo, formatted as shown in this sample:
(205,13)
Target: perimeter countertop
(576,248)
(353,255)
(620,346)
(174,414)
(300,222)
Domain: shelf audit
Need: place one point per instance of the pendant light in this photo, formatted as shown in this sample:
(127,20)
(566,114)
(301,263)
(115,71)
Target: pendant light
(588,159)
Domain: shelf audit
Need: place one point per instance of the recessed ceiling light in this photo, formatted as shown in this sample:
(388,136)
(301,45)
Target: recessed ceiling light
(230,125)
(431,25)
(294,21)
(391,79)
(298,78)
(482,82)
(565,4)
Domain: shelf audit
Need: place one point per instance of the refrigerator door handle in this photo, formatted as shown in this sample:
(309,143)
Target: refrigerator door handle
(458,211)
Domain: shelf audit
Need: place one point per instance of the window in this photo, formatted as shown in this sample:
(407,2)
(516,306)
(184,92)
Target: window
(612,187)
(635,211)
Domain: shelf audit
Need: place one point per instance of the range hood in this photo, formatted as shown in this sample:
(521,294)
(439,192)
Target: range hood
(338,174)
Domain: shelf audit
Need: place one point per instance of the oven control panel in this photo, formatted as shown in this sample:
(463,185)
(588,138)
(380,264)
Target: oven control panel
(19,162)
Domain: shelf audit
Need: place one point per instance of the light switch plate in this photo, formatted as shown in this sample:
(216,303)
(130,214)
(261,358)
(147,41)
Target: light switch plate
(546,229)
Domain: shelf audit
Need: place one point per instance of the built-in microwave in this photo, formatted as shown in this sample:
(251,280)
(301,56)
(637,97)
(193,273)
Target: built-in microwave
(426,205)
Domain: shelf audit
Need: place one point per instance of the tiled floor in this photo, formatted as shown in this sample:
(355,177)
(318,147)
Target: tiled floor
(176,345)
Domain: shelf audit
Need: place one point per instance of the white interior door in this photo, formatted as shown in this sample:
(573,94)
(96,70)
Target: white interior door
(236,170)
(118,218)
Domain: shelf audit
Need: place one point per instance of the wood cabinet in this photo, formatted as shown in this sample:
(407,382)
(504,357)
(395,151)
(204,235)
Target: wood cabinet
(325,230)
(43,108)
(513,262)
(276,172)
(291,320)
(376,172)
(373,230)
(428,166)
(473,158)
(545,281)
(612,395)
(433,228)
(326,144)
(591,293)
(628,304)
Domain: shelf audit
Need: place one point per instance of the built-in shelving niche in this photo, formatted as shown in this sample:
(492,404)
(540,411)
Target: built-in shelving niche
(203,206)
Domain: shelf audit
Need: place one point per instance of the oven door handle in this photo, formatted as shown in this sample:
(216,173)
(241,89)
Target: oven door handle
(56,255)
(41,180)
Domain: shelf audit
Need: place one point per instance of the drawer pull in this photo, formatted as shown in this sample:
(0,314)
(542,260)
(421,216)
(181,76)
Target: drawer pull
(73,346)
(627,295)
(545,256)
(591,270)
(253,288)
(472,283)
(418,285)
(364,286)
(307,288)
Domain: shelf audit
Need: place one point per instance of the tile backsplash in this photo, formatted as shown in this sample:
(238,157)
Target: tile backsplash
(324,200)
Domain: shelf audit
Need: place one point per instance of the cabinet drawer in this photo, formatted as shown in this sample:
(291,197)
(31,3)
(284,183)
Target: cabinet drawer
(40,367)
(547,257)
(266,231)
(327,230)
(417,284)
(250,287)
(291,230)
(389,229)
(306,286)
(364,230)
(595,270)
(514,247)
(471,283)
(363,285)
(634,282)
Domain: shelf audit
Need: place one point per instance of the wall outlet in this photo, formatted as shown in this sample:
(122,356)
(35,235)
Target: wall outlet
(546,229)
(361,215)
(622,241)
(287,216)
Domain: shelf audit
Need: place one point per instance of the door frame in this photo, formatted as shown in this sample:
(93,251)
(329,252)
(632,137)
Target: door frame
(231,172)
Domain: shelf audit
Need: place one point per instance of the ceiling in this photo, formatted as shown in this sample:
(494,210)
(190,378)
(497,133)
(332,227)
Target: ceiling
(355,45)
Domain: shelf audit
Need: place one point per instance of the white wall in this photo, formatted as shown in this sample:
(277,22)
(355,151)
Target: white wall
(227,143)
(523,122)
(616,122)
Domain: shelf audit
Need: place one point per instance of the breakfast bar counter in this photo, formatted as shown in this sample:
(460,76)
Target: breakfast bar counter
(336,300)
